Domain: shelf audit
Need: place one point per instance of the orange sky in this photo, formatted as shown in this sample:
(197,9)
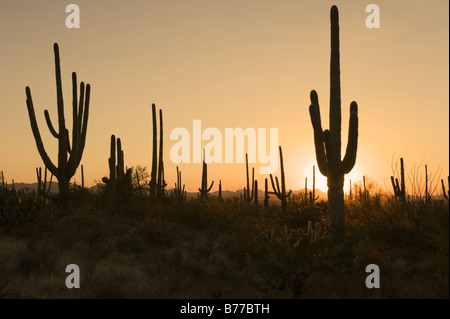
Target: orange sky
(230,64)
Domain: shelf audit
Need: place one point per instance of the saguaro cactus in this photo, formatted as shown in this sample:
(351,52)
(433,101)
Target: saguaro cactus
(42,183)
(204,190)
(179,192)
(249,194)
(82,177)
(119,175)
(266,195)
(66,166)
(220,189)
(399,189)
(157,182)
(277,191)
(328,142)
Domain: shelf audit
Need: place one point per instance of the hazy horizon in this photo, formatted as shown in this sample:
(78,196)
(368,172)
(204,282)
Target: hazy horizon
(230,64)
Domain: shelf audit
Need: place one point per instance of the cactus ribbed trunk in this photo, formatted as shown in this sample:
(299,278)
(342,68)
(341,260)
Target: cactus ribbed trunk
(328,143)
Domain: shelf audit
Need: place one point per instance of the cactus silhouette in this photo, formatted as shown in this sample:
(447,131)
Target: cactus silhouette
(179,192)
(255,197)
(157,182)
(67,166)
(266,194)
(399,189)
(3,180)
(249,194)
(43,191)
(220,189)
(313,197)
(204,190)
(277,191)
(119,175)
(444,193)
(350,196)
(82,177)
(328,142)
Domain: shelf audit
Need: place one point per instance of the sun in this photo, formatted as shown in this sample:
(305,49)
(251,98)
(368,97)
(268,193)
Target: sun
(321,181)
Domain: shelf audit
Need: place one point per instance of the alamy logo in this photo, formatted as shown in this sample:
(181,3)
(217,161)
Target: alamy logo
(256,146)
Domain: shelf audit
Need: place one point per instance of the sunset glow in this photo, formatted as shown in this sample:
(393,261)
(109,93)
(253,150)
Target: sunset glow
(229,64)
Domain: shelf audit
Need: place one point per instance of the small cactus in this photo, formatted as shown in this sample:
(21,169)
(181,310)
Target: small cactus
(444,193)
(43,191)
(119,175)
(249,194)
(179,193)
(277,191)
(255,196)
(266,195)
(157,182)
(204,190)
(399,189)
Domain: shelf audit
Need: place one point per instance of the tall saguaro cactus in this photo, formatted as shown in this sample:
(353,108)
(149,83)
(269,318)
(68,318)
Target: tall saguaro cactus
(67,165)
(157,182)
(328,142)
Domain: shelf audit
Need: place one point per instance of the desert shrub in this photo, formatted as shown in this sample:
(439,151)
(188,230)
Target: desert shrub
(283,259)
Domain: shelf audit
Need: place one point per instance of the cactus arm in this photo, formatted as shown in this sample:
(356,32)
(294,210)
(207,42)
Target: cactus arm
(79,135)
(80,109)
(49,124)
(209,189)
(394,187)
(352,144)
(314,112)
(69,150)
(59,94)
(37,136)
(85,122)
